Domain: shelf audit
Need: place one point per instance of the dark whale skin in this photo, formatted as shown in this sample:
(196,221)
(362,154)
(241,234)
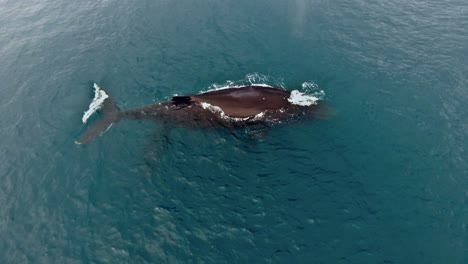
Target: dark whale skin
(226,108)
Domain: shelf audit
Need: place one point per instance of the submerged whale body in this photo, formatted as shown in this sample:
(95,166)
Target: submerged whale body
(226,108)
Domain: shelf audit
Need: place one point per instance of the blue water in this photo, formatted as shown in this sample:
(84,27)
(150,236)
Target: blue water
(384,180)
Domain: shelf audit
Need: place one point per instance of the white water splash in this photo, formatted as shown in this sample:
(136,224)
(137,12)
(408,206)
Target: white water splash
(256,78)
(309,87)
(303,99)
(309,95)
(216,87)
(99,97)
(251,79)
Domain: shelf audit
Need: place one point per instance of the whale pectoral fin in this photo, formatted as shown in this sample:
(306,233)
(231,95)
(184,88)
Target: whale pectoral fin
(253,133)
(258,134)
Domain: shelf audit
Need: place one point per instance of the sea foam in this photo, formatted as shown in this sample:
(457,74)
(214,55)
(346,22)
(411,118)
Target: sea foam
(99,97)
(300,98)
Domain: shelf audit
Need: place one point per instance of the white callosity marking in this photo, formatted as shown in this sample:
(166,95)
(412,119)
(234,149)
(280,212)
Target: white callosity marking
(303,99)
(217,110)
(99,97)
(259,115)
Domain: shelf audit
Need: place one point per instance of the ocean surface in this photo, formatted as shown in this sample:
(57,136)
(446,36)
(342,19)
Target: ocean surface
(383,180)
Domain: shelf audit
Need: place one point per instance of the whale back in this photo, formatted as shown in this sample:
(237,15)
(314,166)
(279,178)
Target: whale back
(245,101)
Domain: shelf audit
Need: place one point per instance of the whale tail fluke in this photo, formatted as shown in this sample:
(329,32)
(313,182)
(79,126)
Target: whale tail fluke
(110,114)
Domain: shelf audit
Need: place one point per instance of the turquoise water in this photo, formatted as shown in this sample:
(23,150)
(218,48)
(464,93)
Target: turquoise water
(384,180)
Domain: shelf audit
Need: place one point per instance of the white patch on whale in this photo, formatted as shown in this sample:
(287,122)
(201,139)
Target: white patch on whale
(99,97)
(217,110)
(299,98)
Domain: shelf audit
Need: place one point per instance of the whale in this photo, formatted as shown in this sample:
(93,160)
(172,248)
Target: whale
(228,108)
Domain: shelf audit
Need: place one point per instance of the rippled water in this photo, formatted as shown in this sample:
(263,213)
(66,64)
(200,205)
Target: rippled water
(383,181)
